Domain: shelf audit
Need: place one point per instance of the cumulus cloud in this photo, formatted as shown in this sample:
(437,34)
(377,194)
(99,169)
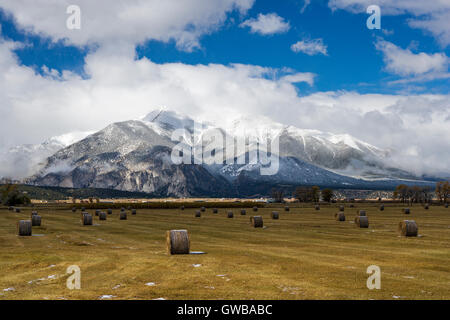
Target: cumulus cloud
(133,21)
(310,47)
(431,16)
(267,24)
(421,66)
(35,107)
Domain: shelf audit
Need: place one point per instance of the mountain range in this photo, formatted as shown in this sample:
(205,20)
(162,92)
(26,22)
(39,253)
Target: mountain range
(135,156)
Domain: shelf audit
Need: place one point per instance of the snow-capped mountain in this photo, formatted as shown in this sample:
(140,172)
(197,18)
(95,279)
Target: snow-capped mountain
(341,153)
(324,149)
(128,155)
(135,155)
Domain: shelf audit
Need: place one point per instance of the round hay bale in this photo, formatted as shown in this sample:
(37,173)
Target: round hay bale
(408,228)
(275,215)
(286,208)
(341,208)
(17,210)
(230,214)
(123,215)
(24,228)
(36,221)
(109,211)
(317,207)
(215,210)
(133,212)
(426,206)
(340,216)
(102,215)
(178,242)
(257,221)
(382,207)
(11,208)
(182,208)
(198,214)
(86,219)
(74,209)
(406,211)
(97,212)
(362,222)
(243,212)
(362,213)
(255,209)
(202,209)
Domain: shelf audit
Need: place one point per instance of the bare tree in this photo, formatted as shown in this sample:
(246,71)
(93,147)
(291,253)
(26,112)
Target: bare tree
(442,190)
(278,195)
(327,194)
(307,194)
(401,192)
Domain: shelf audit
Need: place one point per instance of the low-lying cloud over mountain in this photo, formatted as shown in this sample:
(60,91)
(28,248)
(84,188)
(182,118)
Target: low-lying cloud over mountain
(136,155)
(24,160)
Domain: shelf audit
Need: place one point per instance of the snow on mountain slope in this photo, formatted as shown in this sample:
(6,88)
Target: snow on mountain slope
(165,122)
(168,121)
(116,140)
(327,150)
(340,152)
(135,156)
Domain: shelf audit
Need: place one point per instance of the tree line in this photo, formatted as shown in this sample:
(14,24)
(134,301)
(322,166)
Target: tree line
(416,194)
(403,193)
(10,196)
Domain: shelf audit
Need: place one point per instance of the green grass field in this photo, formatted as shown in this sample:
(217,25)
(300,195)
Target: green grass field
(304,255)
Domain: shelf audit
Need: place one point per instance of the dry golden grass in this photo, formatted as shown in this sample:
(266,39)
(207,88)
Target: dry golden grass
(304,255)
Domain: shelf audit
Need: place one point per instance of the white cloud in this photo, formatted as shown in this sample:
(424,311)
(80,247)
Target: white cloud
(300,77)
(388,32)
(267,24)
(35,107)
(396,122)
(431,16)
(437,23)
(310,47)
(133,21)
(119,88)
(305,5)
(404,62)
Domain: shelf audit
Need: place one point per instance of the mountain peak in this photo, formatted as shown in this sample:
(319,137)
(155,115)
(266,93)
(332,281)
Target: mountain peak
(168,119)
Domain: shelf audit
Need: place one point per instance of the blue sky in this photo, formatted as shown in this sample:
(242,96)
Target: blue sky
(312,65)
(352,63)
